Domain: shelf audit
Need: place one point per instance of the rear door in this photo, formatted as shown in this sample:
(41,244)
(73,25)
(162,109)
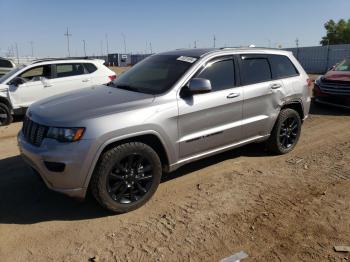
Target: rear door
(282,68)
(262,98)
(68,77)
(211,120)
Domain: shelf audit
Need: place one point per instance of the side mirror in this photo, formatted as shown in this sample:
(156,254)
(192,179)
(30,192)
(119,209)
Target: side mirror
(199,86)
(17,81)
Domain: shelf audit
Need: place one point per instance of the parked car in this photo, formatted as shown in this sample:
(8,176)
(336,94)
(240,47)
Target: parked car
(44,78)
(168,110)
(6,66)
(333,88)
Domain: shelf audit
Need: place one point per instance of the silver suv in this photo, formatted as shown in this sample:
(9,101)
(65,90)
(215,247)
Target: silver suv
(170,109)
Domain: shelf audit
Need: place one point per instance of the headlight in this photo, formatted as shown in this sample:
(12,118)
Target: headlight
(65,134)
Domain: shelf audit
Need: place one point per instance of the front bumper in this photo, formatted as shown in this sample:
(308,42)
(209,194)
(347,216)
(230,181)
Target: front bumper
(71,180)
(342,101)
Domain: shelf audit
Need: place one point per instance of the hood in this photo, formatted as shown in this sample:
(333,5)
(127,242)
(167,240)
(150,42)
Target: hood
(337,75)
(85,104)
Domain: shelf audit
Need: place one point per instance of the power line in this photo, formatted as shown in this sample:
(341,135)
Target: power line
(67,34)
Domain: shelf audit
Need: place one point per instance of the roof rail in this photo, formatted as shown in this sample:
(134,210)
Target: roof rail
(60,59)
(250,47)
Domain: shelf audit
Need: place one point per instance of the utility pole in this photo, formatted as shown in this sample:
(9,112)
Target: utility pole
(101,46)
(124,43)
(195,44)
(32,47)
(150,47)
(84,44)
(67,34)
(17,54)
(297,44)
(107,47)
(214,39)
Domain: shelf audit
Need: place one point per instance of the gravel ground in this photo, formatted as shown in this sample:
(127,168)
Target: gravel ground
(294,207)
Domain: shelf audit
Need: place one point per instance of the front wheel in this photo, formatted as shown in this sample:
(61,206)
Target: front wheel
(286,132)
(126,177)
(5,115)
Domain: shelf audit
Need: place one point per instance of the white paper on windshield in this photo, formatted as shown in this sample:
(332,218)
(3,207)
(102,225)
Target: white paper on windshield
(187,59)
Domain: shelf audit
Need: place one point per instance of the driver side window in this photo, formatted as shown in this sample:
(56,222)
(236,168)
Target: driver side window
(34,74)
(220,74)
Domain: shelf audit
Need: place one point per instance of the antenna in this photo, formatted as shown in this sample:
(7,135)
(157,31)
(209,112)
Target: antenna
(67,34)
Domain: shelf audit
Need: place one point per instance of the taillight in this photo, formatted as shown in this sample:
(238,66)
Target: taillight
(112,77)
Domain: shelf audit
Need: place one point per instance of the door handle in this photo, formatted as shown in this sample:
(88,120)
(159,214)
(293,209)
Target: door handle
(85,80)
(232,95)
(275,86)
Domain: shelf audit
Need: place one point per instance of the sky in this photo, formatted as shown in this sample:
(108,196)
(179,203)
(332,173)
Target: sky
(164,25)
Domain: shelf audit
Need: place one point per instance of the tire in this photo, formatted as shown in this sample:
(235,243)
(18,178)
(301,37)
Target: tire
(5,115)
(286,132)
(120,184)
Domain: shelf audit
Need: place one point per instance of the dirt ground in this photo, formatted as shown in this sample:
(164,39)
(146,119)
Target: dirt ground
(294,207)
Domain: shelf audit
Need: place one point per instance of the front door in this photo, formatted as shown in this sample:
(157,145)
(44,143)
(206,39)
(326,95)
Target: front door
(212,120)
(34,86)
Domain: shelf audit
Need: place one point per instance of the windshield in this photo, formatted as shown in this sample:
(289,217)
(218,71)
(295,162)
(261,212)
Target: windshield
(154,75)
(11,73)
(343,66)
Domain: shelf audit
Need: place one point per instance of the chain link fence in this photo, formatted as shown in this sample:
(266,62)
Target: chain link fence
(318,59)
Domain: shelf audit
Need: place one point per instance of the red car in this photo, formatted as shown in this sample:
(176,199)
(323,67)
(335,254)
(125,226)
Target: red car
(333,88)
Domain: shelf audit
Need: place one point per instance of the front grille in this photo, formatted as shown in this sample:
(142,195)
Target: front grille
(33,132)
(335,87)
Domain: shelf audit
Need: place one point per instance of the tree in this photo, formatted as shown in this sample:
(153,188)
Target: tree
(337,33)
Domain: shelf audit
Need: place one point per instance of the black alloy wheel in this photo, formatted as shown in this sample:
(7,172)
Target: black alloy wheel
(289,132)
(126,177)
(130,179)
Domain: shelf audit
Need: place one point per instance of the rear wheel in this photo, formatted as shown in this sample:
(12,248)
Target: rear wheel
(286,132)
(126,177)
(5,115)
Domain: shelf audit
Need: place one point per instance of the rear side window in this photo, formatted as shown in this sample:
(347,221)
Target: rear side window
(90,68)
(66,70)
(255,70)
(5,63)
(282,67)
(220,74)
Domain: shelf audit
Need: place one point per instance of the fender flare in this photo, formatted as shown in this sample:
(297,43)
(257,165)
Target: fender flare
(102,147)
